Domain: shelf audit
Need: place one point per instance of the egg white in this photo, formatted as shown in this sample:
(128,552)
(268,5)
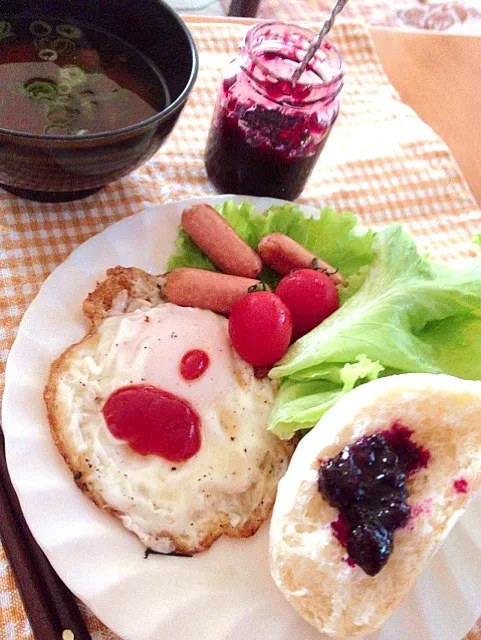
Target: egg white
(171,505)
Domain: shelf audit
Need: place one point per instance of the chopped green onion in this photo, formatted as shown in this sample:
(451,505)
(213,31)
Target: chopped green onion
(57,129)
(66,99)
(63,45)
(61,114)
(69,31)
(48,55)
(64,88)
(72,75)
(5,30)
(40,28)
(41,90)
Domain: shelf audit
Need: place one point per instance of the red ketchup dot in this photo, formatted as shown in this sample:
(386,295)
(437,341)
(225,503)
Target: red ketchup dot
(154,422)
(193,364)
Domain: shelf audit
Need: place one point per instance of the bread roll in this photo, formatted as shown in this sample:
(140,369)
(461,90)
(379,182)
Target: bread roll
(309,564)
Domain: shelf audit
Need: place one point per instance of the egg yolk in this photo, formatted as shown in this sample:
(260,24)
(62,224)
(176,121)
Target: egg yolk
(154,421)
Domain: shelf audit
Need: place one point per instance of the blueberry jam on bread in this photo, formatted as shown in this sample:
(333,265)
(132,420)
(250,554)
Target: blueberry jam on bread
(366,482)
(371,493)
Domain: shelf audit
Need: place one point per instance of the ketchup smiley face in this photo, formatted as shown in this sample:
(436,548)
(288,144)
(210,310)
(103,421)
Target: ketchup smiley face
(154,422)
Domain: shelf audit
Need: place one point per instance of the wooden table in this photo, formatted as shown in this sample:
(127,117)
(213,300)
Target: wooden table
(439,76)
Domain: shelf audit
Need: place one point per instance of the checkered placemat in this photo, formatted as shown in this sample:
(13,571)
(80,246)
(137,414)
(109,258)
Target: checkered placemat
(435,15)
(382,162)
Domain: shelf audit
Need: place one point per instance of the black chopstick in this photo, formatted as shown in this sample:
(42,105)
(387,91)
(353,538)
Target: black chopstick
(51,608)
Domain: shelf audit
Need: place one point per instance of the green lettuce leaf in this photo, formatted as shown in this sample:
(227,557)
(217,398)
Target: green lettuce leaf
(336,238)
(188,255)
(300,403)
(456,343)
(400,296)
(407,315)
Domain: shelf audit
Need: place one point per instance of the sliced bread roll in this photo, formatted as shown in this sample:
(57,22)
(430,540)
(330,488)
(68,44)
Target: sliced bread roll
(310,565)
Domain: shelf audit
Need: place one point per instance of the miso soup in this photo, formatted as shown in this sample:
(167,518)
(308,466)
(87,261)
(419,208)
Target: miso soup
(68,78)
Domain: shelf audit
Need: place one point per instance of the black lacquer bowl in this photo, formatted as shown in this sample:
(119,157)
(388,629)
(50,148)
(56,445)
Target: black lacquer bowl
(62,168)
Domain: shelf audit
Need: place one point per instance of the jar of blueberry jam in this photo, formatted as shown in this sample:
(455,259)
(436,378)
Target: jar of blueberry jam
(268,131)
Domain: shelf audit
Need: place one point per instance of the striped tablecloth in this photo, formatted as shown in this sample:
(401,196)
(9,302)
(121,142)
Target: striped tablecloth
(382,162)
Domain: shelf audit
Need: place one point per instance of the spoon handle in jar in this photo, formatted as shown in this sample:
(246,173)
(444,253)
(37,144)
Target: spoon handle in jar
(316,43)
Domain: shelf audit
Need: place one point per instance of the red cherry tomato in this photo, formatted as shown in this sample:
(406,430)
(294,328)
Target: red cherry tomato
(311,297)
(260,327)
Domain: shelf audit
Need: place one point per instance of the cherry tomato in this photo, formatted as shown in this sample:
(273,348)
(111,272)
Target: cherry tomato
(311,296)
(260,327)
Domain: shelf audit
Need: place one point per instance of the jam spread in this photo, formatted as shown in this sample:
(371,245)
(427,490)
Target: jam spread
(268,131)
(460,485)
(367,483)
(276,159)
(154,421)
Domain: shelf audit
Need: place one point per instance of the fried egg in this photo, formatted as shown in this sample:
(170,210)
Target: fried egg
(227,487)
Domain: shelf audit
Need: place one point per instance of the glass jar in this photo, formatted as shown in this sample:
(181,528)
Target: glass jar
(267,132)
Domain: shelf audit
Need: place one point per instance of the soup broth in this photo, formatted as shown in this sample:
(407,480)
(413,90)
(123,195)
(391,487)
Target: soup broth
(67,78)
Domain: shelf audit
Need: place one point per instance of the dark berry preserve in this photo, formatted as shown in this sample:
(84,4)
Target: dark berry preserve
(367,483)
(268,132)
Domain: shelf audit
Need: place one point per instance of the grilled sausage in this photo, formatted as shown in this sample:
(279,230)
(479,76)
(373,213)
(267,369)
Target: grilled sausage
(218,240)
(283,254)
(205,289)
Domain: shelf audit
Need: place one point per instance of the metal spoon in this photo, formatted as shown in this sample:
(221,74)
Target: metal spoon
(316,43)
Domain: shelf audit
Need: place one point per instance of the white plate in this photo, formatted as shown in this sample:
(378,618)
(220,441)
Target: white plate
(225,593)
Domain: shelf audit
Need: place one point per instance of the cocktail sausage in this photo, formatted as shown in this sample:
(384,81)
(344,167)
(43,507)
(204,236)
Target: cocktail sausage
(218,240)
(283,254)
(205,289)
